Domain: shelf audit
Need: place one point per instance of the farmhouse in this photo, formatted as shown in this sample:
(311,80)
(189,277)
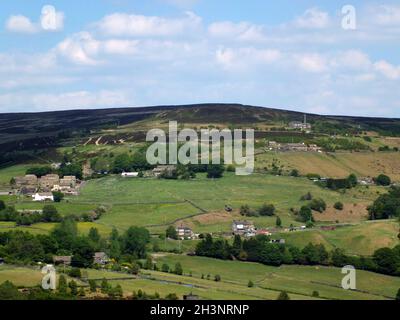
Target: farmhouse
(159,170)
(27,184)
(65,260)
(47,182)
(294,147)
(130,174)
(100,258)
(47,196)
(185,233)
(245,228)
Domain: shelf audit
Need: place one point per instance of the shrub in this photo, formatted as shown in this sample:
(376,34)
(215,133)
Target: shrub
(267,210)
(383,180)
(318,205)
(283,296)
(217,278)
(338,206)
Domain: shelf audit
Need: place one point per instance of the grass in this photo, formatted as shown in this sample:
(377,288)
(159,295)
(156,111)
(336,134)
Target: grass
(302,280)
(7,173)
(362,239)
(148,202)
(339,164)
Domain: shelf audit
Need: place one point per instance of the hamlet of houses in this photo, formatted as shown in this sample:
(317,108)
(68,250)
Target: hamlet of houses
(41,188)
(299,147)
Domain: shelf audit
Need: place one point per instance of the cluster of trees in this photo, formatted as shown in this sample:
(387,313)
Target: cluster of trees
(336,184)
(23,247)
(383,180)
(264,210)
(66,169)
(386,206)
(334,144)
(125,163)
(260,249)
(69,290)
(49,214)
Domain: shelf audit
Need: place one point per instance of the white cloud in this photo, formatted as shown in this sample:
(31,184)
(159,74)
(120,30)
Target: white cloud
(242,31)
(388,70)
(121,24)
(80,48)
(313,18)
(311,62)
(242,58)
(21,24)
(386,15)
(352,59)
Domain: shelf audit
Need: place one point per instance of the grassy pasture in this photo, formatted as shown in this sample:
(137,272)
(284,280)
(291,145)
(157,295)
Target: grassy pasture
(302,280)
(361,239)
(147,202)
(339,164)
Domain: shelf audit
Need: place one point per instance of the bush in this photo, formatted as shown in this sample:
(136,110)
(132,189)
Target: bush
(305,214)
(171,233)
(383,180)
(338,206)
(307,197)
(2,205)
(250,284)
(318,205)
(267,210)
(283,296)
(217,278)
(75,273)
(58,196)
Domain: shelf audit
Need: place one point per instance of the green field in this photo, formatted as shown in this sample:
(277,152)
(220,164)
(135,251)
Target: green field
(299,281)
(155,203)
(339,164)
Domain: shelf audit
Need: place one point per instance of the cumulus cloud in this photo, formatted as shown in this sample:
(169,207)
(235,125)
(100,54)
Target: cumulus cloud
(242,58)
(311,62)
(21,24)
(121,24)
(80,48)
(50,20)
(313,18)
(385,15)
(242,31)
(388,70)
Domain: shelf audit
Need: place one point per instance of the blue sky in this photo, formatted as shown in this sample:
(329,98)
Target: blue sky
(116,53)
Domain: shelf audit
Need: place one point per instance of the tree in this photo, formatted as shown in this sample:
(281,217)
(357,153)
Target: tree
(283,296)
(8,291)
(39,171)
(307,197)
(122,163)
(165,268)
(386,205)
(105,286)
(267,210)
(383,180)
(305,214)
(338,206)
(115,244)
(171,233)
(250,284)
(94,235)
(73,287)
(92,285)
(73,169)
(178,269)
(217,278)
(75,273)
(278,222)
(352,180)
(318,205)
(58,196)
(387,260)
(215,171)
(237,245)
(62,285)
(2,205)
(398,295)
(135,240)
(50,214)
(295,173)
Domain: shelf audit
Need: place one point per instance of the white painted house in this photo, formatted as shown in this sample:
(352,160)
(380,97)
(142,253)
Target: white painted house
(129,174)
(43,197)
